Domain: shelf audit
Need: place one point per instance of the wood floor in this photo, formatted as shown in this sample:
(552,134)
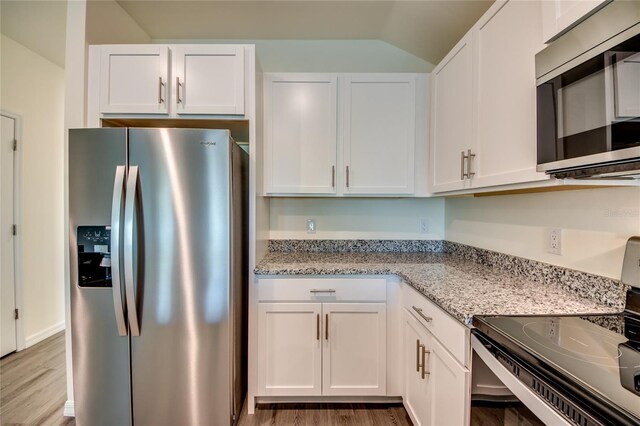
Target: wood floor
(33,392)
(33,386)
(326,414)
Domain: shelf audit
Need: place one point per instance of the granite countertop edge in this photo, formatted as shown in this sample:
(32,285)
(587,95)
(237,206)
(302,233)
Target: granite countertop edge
(474,297)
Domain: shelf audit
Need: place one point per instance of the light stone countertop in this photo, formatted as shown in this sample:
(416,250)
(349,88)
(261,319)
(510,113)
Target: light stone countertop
(460,286)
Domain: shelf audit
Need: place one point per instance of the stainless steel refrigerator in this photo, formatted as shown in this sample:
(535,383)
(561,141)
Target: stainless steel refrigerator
(158,262)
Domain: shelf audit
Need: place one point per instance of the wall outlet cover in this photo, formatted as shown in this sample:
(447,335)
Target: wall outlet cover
(424,226)
(311,226)
(554,241)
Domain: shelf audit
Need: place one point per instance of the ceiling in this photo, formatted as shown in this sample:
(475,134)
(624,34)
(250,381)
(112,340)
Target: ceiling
(426,28)
(38,25)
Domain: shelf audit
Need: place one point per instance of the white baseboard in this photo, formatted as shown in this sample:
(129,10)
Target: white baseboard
(47,332)
(69,409)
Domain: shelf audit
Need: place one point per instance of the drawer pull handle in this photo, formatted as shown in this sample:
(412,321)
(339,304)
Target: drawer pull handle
(316,290)
(318,327)
(326,327)
(418,346)
(419,312)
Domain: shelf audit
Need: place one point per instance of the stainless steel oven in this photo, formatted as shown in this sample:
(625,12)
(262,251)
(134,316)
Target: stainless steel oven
(588,97)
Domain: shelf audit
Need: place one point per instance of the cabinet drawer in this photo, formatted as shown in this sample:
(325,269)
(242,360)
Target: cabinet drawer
(322,289)
(452,334)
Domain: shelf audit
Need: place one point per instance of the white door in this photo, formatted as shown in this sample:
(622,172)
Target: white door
(378,113)
(354,360)
(448,386)
(300,133)
(8,341)
(289,349)
(134,79)
(416,385)
(209,79)
(505,87)
(451,115)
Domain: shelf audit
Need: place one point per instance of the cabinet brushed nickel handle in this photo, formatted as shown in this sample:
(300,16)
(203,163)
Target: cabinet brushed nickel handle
(160,90)
(419,312)
(463,175)
(470,156)
(425,351)
(347,176)
(326,327)
(333,176)
(317,326)
(320,290)
(178,84)
(418,345)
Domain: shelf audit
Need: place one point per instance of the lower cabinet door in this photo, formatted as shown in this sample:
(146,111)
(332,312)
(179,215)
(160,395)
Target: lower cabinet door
(354,349)
(436,391)
(449,392)
(290,349)
(416,384)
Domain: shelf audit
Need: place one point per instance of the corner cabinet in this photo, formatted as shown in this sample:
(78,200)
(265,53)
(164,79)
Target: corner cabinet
(483,104)
(342,134)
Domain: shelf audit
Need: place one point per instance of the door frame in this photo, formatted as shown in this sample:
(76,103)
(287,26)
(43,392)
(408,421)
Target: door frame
(17,215)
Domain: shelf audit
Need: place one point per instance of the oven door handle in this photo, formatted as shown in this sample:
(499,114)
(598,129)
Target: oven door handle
(533,402)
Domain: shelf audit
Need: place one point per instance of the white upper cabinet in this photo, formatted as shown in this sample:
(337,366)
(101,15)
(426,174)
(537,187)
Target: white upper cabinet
(209,79)
(559,16)
(505,43)
(451,117)
(344,134)
(133,79)
(300,133)
(379,133)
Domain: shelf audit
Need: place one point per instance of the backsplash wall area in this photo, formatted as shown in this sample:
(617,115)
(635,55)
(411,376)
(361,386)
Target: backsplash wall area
(357,218)
(595,223)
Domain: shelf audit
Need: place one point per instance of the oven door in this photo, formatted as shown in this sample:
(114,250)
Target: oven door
(506,368)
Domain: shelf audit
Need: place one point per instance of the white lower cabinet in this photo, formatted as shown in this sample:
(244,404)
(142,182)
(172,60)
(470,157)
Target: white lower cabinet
(307,349)
(436,384)
(290,349)
(354,349)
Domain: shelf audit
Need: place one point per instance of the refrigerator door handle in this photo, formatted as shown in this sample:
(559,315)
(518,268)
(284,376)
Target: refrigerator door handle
(116,214)
(129,217)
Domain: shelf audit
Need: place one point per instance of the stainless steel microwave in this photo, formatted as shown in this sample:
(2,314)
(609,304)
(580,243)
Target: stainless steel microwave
(588,97)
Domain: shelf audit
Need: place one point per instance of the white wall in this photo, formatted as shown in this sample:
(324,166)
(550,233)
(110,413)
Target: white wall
(396,218)
(33,88)
(596,224)
(328,55)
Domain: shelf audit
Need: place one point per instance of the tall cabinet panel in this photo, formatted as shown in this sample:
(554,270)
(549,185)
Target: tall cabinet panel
(134,79)
(300,133)
(379,133)
(451,119)
(209,79)
(505,43)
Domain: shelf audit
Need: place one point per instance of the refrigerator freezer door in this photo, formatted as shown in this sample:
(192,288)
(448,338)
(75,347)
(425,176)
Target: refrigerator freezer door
(100,355)
(181,361)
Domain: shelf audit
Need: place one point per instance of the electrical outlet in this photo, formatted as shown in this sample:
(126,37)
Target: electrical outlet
(424,226)
(555,241)
(311,226)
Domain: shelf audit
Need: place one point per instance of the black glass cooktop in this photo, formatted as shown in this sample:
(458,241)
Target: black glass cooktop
(596,356)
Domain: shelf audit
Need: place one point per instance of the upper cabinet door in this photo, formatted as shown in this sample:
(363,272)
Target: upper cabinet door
(451,116)
(300,133)
(134,79)
(559,16)
(506,40)
(378,116)
(209,79)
